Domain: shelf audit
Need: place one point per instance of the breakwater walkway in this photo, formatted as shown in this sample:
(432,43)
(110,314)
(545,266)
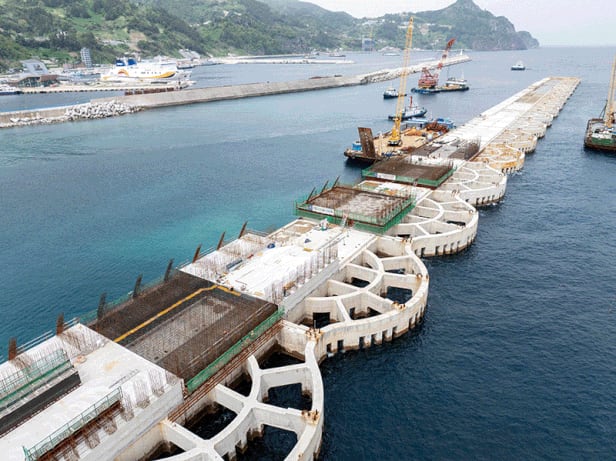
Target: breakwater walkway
(137,102)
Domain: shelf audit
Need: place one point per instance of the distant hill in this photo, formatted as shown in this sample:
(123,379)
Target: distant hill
(58,29)
(473,28)
(265,27)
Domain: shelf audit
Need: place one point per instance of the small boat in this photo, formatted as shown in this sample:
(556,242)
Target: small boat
(7,90)
(601,132)
(455,84)
(390,93)
(185,64)
(518,66)
(390,51)
(411,111)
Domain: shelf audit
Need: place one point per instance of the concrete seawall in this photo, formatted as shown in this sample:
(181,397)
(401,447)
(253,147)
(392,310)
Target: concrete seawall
(198,95)
(221,93)
(337,288)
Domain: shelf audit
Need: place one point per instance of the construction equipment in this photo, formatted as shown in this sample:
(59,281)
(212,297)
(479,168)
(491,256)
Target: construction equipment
(610,114)
(601,132)
(428,79)
(396,137)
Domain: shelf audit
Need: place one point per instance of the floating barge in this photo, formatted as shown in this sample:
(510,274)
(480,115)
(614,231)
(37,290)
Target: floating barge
(600,136)
(415,133)
(601,132)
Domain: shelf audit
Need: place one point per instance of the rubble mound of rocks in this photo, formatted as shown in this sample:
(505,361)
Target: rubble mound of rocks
(98,110)
(85,111)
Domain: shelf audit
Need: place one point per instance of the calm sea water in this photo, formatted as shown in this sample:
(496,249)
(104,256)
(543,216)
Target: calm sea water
(517,356)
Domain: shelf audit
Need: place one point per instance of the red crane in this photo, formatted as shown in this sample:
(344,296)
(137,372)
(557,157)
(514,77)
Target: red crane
(429,79)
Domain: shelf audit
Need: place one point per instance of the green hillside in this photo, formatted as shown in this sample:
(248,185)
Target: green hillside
(58,29)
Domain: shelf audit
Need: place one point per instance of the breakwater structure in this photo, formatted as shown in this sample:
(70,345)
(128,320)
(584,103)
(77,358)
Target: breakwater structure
(140,100)
(130,378)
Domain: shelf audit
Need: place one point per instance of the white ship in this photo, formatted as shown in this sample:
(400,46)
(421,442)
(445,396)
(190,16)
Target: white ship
(129,69)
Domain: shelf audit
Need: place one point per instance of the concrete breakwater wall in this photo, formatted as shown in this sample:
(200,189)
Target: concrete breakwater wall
(120,105)
(445,221)
(337,288)
(199,95)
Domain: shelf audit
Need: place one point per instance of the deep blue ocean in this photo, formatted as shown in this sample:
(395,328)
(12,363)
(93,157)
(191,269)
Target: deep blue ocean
(516,358)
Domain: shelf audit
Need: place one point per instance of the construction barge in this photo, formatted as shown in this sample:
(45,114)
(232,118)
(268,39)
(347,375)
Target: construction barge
(129,378)
(415,137)
(601,132)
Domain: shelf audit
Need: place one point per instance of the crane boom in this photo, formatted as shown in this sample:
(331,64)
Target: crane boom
(609,105)
(396,137)
(429,79)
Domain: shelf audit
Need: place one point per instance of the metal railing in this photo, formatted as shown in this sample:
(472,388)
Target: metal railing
(27,379)
(226,357)
(74,425)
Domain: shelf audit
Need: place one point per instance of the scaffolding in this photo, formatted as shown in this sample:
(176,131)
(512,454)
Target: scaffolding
(408,170)
(113,320)
(217,263)
(186,341)
(364,208)
(74,427)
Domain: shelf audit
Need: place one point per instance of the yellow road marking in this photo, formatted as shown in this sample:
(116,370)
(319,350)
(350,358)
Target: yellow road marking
(226,290)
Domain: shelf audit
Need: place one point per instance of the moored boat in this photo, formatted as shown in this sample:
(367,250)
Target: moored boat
(390,93)
(601,132)
(129,69)
(599,136)
(455,84)
(7,90)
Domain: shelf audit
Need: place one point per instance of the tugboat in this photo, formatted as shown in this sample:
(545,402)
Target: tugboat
(601,132)
(391,93)
(411,111)
(455,84)
(518,66)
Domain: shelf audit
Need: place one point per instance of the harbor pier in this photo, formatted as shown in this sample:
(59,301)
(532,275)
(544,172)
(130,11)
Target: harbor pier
(346,274)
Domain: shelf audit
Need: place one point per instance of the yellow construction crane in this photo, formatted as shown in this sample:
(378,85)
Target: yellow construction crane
(396,137)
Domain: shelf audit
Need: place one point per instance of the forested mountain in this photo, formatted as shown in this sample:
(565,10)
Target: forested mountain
(58,29)
(475,28)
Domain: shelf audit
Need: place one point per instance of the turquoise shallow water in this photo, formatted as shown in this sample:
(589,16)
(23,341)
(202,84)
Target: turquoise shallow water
(516,358)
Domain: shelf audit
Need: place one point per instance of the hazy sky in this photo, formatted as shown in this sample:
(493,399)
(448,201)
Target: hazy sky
(552,22)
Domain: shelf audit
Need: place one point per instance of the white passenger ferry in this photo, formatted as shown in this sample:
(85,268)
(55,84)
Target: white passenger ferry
(129,69)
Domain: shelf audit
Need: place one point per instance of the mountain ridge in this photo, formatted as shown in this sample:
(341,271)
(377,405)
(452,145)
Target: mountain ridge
(58,29)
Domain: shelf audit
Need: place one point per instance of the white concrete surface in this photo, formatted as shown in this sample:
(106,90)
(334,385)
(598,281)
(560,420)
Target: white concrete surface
(103,366)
